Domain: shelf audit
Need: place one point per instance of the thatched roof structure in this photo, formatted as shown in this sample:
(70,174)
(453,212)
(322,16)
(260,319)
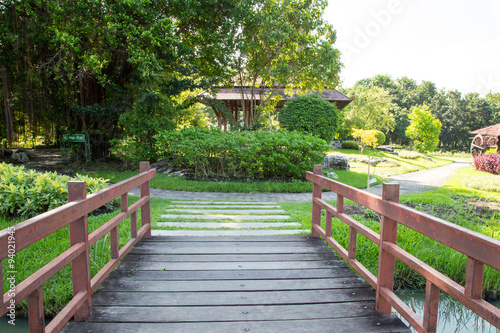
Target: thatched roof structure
(493,130)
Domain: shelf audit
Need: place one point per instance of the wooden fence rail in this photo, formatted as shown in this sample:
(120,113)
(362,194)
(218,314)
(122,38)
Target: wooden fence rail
(74,214)
(479,249)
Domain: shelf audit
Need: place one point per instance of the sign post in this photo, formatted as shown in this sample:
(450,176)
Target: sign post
(78,138)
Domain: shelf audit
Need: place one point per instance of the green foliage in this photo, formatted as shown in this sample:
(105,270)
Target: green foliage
(286,43)
(310,114)
(28,193)
(380,137)
(259,154)
(350,144)
(409,155)
(370,109)
(424,129)
(365,138)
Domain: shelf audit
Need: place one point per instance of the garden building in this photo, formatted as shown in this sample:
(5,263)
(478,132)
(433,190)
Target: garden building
(236,102)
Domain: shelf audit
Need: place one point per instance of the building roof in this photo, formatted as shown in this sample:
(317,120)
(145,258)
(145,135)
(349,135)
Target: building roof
(493,130)
(235,94)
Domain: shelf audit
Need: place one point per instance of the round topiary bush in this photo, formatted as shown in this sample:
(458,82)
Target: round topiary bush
(310,114)
(380,137)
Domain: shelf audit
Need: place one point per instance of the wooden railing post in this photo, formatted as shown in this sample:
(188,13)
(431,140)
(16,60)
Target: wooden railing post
(36,317)
(146,209)
(386,261)
(474,275)
(80,266)
(316,209)
(431,307)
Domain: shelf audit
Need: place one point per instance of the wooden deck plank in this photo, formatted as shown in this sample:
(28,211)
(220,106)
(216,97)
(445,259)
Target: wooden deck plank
(368,324)
(115,298)
(284,274)
(238,284)
(231,285)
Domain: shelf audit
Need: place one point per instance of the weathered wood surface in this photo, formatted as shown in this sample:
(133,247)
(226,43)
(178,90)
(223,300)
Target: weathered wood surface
(234,284)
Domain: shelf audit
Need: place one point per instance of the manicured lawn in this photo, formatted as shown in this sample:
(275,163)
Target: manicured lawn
(394,165)
(162,181)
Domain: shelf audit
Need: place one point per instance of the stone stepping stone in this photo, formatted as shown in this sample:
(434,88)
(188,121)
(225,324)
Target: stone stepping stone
(224,202)
(222,206)
(247,232)
(228,211)
(227,217)
(215,225)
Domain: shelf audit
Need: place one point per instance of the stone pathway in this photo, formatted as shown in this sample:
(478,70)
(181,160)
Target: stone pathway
(226,220)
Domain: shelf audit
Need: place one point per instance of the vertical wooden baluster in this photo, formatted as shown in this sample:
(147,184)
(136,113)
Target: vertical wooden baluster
(474,276)
(36,316)
(386,262)
(431,307)
(133,225)
(316,209)
(80,266)
(353,238)
(146,208)
(328,224)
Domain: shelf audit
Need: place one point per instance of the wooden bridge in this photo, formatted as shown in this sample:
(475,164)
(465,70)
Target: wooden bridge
(247,284)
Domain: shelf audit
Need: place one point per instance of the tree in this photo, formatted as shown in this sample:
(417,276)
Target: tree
(365,138)
(310,114)
(424,129)
(286,44)
(369,109)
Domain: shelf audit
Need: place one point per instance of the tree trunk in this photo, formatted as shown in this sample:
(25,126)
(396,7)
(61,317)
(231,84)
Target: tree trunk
(8,113)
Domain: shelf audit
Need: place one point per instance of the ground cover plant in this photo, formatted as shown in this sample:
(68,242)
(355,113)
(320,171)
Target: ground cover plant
(27,192)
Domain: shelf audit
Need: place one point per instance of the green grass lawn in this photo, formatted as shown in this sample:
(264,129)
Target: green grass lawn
(161,181)
(394,165)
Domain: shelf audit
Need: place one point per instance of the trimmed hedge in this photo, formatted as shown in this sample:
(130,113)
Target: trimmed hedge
(28,193)
(310,114)
(488,163)
(231,154)
(350,144)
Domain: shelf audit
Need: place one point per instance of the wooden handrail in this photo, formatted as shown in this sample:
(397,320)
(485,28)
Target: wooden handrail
(480,250)
(74,214)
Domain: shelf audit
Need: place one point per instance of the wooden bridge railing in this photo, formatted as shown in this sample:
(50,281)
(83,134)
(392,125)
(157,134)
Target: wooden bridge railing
(74,214)
(479,249)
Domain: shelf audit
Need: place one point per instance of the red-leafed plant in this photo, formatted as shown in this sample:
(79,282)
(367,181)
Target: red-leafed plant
(488,163)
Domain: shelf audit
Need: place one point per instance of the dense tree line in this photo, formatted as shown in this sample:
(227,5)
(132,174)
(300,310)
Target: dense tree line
(78,67)
(127,69)
(459,114)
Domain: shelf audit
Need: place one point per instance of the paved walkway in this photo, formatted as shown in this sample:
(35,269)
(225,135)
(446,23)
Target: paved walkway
(409,183)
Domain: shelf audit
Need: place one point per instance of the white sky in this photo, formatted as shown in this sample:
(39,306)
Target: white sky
(455,44)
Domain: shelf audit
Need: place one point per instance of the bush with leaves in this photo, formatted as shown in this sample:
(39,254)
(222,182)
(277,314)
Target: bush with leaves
(256,154)
(424,129)
(380,137)
(349,144)
(365,138)
(488,163)
(28,193)
(310,114)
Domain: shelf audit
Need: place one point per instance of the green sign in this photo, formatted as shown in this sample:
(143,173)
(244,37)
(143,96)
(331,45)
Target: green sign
(74,137)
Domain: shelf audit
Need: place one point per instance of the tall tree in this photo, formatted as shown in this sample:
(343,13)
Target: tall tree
(286,44)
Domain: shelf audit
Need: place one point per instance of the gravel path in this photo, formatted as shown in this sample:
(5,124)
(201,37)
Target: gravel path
(409,183)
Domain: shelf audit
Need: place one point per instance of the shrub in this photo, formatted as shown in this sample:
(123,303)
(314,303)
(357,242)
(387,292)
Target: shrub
(349,144)
(488,163)
(310,114)
(365,138)
(411,155)
(380,137)
(28,193)
(232,154)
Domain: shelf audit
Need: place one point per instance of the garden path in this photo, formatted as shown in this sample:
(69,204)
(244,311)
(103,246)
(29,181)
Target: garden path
(414,182)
